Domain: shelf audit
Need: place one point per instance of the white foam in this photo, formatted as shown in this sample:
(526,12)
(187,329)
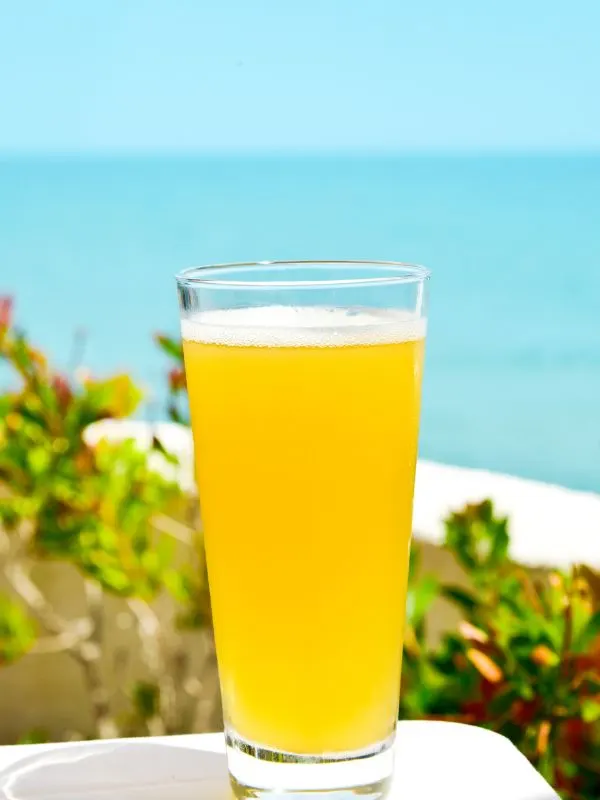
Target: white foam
(302,326)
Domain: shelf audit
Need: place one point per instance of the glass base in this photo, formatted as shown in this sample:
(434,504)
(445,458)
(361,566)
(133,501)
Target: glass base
(259,773)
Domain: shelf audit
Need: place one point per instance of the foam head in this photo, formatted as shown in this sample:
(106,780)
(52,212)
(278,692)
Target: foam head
(302,326)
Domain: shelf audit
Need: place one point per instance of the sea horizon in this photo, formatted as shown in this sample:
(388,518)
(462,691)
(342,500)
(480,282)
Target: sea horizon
(92,240)
(536,151)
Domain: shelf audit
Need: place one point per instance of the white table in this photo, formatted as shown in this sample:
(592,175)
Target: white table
(434,760)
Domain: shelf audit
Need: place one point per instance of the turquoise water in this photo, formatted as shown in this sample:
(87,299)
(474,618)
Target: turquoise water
(513,364)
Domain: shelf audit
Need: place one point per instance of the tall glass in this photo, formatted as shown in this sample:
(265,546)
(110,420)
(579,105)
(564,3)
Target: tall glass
(304,385)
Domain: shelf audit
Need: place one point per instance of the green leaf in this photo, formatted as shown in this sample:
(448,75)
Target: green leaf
(17,633)
(589,634)
(420,597)
(590,710)
(500,542)
(146,698)
(107,538)
(466,600)
(150,562)
(35,736)
(478,539)
(159,447)
(115,397)
(113,579)
(171,347)
(504,700)
(568,768)
(177,585)
(175,415)
(165,551)
(414,561)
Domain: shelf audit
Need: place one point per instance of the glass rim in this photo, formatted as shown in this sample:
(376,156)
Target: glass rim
(399,272)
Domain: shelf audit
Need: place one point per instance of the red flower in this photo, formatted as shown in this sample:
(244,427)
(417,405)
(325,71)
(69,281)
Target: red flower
(62,390)
(176,379)
(6,308)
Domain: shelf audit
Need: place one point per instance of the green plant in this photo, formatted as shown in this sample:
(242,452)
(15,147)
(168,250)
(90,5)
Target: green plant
(524,660)
(177,387)
(101,510)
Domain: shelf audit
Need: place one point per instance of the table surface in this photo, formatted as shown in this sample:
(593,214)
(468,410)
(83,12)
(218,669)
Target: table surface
(433,760)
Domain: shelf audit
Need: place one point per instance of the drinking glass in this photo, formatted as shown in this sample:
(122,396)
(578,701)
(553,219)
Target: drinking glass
(304,386)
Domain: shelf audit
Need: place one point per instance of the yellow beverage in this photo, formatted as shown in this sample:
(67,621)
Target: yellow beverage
(305,424)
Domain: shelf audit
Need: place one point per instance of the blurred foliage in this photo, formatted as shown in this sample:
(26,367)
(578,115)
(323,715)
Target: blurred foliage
(88,505)
(34,736)
(93,507)
(524,660)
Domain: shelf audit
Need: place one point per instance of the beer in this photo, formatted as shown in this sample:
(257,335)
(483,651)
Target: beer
(305,424)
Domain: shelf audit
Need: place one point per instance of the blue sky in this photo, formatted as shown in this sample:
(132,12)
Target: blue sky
(245,74)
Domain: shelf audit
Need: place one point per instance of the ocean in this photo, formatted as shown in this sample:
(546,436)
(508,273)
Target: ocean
(89,246)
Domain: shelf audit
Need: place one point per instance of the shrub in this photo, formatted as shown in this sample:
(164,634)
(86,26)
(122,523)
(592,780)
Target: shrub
(524,660)
(102,511)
